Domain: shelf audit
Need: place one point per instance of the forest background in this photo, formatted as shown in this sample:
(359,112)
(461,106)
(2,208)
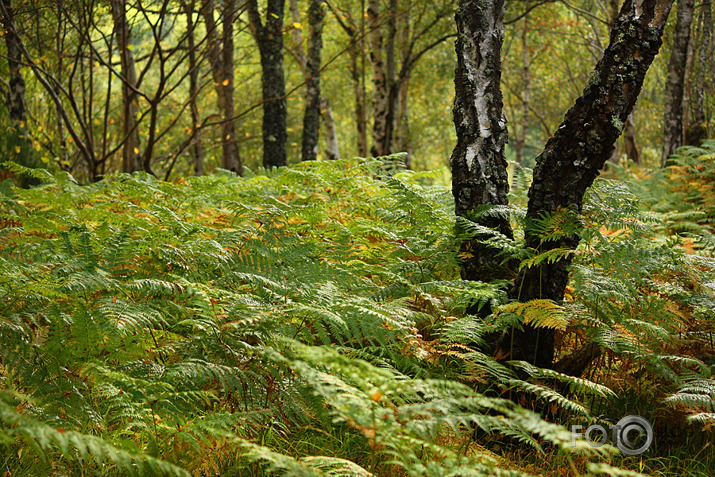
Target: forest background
(185,96)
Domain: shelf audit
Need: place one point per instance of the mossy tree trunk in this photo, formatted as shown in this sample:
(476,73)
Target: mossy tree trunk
(568,165)
(574,156)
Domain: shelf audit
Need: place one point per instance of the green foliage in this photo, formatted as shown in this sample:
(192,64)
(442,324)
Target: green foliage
(309,321)
(208,326)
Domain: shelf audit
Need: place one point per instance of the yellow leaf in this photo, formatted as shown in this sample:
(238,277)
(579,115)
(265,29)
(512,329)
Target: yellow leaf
(18,149)
(130,47)
(45,160)
(136,150)
(376,396)
(297,26)
(225,82)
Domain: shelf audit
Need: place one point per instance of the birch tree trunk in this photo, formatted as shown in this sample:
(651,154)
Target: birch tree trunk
(130,108)
(269,37)
(478,165)
(674,87)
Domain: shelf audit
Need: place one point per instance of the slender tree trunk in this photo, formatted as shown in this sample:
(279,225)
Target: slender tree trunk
(479,174)
(325,110)
(220,54)
(16,94)
(673,117)
(402,141)
(269,37)
(629,139)
(574,156)
(59,47)
(357,53)
(525,89)
(311,116)
(380,96)
(231,156)
(16,100)
(197,150)
(130,107)
(331,131)
(698,130)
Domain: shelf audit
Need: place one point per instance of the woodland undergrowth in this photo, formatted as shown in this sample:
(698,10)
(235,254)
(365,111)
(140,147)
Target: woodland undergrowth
(311,321)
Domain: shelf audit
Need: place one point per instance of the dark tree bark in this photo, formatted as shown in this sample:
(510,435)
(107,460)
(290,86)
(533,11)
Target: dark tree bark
(674,87)
(311,116)
(479,174)
(575,154)
(325,110)
(220,54)
(269,37)
(629,131)
(131,158)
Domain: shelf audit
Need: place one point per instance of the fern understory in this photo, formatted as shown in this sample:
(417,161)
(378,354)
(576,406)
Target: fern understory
(311,321)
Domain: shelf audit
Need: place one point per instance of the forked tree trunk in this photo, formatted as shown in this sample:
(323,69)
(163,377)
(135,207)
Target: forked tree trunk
(131,158)
(674,87)
(269,37)
(574,155)
(479,174)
